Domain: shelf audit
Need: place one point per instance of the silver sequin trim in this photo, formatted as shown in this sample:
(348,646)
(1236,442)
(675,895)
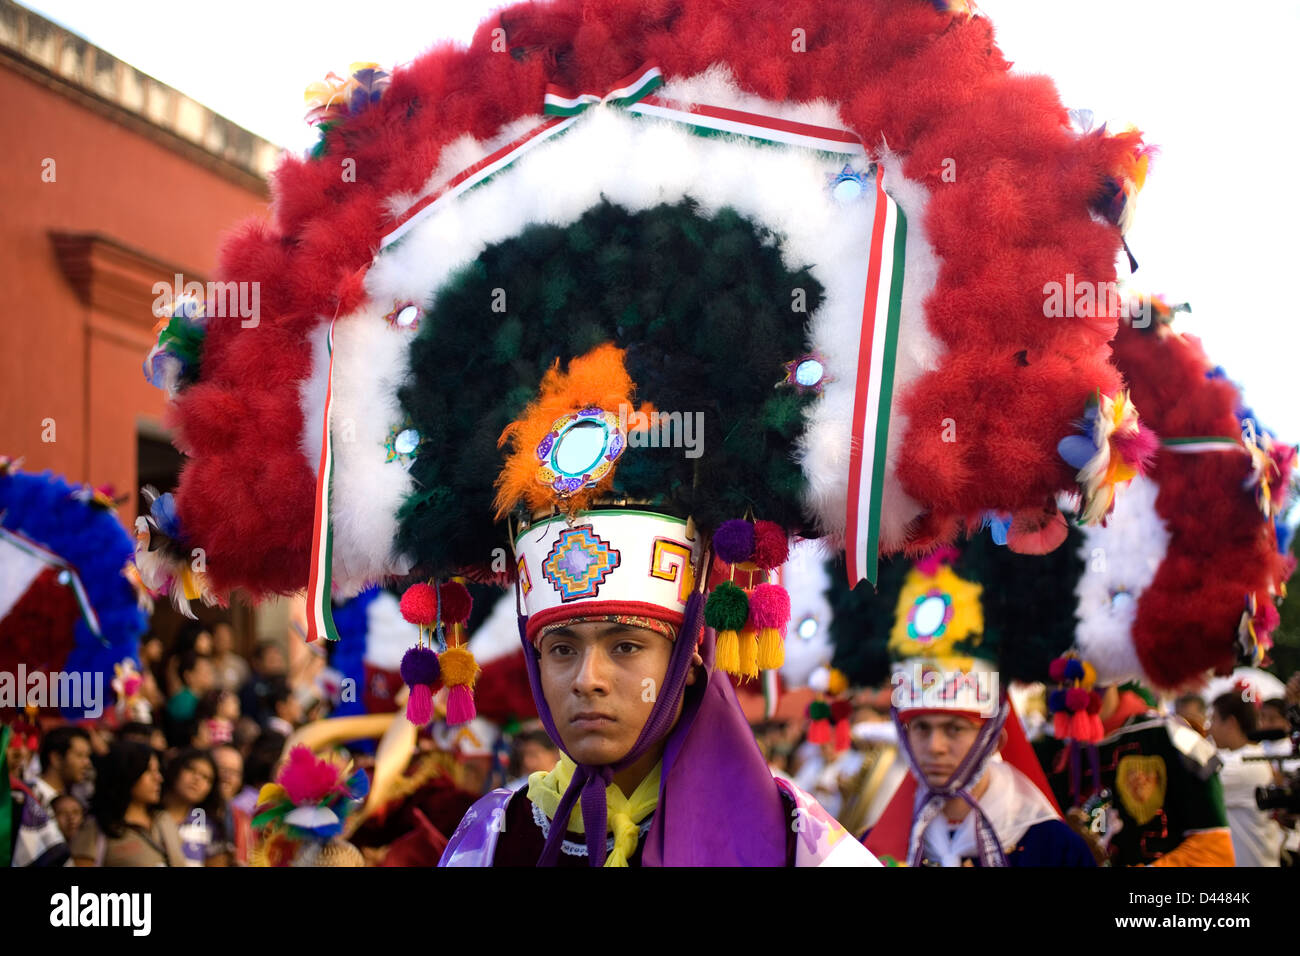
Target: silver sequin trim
(568,847)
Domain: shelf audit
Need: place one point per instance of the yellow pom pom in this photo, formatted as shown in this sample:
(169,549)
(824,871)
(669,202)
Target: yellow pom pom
(1089,676)
(837,684)
(727,652)
(459,669)
(748,653)
(771,649)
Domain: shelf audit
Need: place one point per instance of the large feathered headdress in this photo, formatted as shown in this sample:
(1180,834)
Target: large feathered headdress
(71,598)
(829,231)
(1183,579)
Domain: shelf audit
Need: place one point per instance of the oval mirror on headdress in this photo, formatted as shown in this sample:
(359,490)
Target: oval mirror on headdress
(580,447)
(929,615)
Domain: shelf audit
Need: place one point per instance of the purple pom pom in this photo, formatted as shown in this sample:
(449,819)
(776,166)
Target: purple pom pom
(733,542)
(1074,669)
(420,666)
(1056,701)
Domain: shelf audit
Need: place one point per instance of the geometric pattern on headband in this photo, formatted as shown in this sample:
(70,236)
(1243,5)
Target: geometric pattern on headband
(579,562)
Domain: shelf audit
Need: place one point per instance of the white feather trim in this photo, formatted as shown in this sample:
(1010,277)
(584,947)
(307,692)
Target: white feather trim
(1119,559)
(498,635)
(370,364)
(805,578)
(388,634)
(311,395)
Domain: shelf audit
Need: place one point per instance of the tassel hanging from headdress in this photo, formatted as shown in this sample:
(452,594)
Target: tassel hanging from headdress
(819,727)
(419,668)
(755,641)
(841,718)
(1076,717)
(769,613)
(459,669)
(726,611)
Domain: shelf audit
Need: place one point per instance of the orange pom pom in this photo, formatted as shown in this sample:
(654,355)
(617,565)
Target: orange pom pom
(459,669)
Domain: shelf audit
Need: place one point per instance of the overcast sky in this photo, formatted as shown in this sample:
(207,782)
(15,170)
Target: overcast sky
(1213,87)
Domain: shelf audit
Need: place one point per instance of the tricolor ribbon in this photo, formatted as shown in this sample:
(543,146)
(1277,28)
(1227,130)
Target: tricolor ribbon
(631,88)
(320,619)
(874,385)
(717,120)
(44,555)
(1187,446)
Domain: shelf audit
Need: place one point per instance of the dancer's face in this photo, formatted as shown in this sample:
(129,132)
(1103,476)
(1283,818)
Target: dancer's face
(601,680)
(940,742)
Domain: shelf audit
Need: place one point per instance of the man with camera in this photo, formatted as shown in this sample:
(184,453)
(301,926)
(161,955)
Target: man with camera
(1256,836)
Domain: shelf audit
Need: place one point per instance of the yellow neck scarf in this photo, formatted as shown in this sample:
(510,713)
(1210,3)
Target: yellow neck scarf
(624,813)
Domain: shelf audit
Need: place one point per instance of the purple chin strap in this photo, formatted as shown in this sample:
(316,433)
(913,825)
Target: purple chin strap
(589,782)
(967,773)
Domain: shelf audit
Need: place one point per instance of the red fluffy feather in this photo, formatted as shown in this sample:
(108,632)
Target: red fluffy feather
(1221,547)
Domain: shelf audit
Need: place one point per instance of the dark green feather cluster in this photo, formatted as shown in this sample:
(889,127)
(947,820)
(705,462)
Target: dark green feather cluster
(703,305)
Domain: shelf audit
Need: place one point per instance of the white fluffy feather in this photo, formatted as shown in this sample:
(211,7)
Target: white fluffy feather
(1121,557)
(804,576)
(498,635)
(388,634)
(311,395)
(370,364)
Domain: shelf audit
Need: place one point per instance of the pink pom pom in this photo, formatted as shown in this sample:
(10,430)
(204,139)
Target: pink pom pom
(1076,699)
(769,606)
(306,779)
(771,545)
(460,705)
(1056,670)
(419,604)
(456,603)
(419,705)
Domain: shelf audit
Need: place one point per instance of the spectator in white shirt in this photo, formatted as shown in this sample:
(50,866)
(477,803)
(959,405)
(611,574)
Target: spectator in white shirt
(1256,836)
(1272,716)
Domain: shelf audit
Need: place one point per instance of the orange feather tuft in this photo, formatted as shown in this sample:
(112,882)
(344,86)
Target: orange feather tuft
(598,378)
